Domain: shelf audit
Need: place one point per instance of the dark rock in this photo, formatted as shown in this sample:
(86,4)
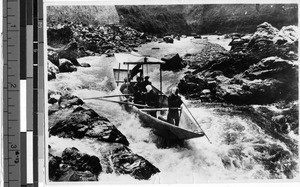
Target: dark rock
(173,63)
(69,100)
(53,57)
(59,36)
(66,66)
(168,39)
(70,52)
(126,162)
(54,165)
(87,123)
(52,100)
(52,70)
(85,64)
(74,166)
(80,161)
(269,41)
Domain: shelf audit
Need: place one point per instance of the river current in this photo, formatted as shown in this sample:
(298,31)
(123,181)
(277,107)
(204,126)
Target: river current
(237,152)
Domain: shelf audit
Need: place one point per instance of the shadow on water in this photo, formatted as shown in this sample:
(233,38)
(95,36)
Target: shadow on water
(164,143)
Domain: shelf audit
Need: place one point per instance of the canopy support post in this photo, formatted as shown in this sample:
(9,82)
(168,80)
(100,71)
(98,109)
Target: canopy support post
(160,78)
(128,76)
(160,85)
(119,74)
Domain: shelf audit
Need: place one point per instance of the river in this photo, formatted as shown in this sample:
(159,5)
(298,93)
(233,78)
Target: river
(238,149)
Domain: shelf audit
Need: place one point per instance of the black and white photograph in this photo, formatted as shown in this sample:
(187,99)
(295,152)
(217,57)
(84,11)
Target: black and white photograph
(171,93)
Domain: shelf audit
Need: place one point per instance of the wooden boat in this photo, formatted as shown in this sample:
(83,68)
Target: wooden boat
(188,127)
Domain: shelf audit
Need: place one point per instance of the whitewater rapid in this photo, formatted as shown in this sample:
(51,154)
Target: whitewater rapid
(235,153)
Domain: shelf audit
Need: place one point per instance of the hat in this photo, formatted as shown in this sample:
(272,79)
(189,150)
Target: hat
(147,77)
(148,88)
(174,90)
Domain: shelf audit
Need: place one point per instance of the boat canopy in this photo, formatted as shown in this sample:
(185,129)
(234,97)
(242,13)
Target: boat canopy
(135,58)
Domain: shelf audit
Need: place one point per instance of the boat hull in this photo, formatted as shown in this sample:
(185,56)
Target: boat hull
(162,128)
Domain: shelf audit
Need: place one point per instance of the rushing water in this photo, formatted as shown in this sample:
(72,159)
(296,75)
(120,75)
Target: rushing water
(240,150)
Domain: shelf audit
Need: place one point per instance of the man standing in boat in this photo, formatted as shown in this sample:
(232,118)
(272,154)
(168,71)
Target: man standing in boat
(174,102)
(152,99)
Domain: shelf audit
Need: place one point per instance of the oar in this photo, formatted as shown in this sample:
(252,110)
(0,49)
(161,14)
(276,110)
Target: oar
(121,102)
(196,122)
(108,96)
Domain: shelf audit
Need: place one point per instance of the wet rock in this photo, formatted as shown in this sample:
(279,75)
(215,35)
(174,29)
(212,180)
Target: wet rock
(85,64)
(70,52)
(74,166)
(53,57)
(226,161)
(69,100)
(126,162)
(269,41)
(52,70)
(66,66)
(87,123)
(80,161)
(168,39)
(54,164)
(173,63)
(262,70)
(52,100)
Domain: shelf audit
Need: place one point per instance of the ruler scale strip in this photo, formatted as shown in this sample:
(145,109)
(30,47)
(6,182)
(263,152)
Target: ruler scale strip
(29,86)
(35,94)
(11,88)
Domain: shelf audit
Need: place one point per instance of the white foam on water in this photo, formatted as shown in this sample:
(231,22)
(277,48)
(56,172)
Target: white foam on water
(233,155)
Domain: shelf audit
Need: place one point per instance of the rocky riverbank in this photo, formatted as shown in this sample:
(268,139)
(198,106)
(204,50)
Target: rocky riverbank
(70,118)
(263,69)
(258,78)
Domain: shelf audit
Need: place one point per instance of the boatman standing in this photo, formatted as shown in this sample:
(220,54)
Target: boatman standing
(174,102)
(152,99)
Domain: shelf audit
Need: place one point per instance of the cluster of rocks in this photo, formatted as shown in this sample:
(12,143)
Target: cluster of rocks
(63,60)
(262,70)
(68,42)
(208,53)
(107,39)
(69,117)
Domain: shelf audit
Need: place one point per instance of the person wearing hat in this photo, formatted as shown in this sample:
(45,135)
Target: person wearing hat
(126,87)
(152,99)
(174,102)
(146,82)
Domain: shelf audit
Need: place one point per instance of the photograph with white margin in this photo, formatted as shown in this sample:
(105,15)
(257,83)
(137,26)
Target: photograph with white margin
(172,93)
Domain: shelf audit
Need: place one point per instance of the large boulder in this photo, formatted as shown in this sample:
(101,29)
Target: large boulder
(58,36)
(70,52)
(86,123)
(269,41)
(74,166)
(126,162)
(66,66)
(53,56)
(173,62)
(67,100)
(52,70)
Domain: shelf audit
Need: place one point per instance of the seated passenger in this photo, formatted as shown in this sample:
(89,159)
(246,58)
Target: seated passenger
(138,93)
(146,82)
(126,87)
